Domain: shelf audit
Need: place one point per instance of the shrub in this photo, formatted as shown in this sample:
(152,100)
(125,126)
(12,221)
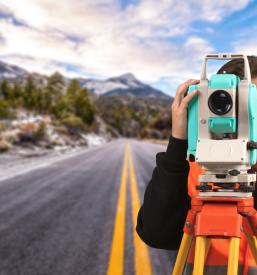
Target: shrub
(5,110)
(74,124)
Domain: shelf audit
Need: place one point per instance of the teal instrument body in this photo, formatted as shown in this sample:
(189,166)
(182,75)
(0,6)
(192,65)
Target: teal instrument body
(192,121)
(222,124)
(222,130)
(252,109)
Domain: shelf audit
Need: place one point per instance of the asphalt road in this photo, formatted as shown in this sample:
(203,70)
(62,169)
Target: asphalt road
(60,218)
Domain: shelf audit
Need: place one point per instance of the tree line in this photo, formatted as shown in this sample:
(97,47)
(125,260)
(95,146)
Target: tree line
(69,104)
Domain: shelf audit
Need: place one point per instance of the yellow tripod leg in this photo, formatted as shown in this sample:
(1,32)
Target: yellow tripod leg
(233,256)
(253,245)
(182,254)
(207,248)
(200,252)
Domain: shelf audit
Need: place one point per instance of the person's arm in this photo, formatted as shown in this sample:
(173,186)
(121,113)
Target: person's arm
(166,201)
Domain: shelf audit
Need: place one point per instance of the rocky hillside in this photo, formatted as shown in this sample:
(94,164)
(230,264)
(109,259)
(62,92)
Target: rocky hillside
(135,116)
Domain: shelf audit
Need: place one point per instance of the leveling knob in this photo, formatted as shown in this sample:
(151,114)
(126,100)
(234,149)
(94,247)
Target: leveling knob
(251,145)
(234,172)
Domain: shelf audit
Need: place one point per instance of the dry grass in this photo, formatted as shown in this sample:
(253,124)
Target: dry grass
(5,146)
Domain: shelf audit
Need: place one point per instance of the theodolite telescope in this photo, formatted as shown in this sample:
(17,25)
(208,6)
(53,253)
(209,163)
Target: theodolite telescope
(222,130)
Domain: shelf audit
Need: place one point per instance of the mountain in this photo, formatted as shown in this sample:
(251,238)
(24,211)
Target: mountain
(8,71)
(125,85)
(122,106)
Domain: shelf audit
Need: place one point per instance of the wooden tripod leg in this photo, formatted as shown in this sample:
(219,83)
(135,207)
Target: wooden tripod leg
(182,254)
(200,252)
(233,256)
(253,245)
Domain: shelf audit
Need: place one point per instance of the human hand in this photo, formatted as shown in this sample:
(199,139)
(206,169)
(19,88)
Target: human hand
(179,109)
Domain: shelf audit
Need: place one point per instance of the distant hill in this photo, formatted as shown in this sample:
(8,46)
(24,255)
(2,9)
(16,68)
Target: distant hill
(118,106)
(141,117)
(8,71)
(14,73)
(124,85)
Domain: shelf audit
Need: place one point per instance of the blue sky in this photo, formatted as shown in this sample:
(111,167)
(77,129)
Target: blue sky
(162,43)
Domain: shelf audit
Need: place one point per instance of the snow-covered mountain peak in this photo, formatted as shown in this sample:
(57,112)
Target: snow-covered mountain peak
(126,84)
(128,80)
(10,71)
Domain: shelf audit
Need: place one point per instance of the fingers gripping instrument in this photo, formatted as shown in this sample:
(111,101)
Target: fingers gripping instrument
(222,136)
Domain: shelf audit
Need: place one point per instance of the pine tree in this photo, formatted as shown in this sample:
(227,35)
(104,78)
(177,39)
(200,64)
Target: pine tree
(79,101)
(83,107)
(30,94)
(73,88)
(54,91)
(17,91)
(5,89)
(15,97)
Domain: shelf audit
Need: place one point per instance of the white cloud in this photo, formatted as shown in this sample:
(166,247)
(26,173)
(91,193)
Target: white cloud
(148,60)
(214,11)
(100,38)
(246,43)
(173,17)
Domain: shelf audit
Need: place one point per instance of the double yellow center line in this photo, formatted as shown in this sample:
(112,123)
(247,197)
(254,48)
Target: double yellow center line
(142,261)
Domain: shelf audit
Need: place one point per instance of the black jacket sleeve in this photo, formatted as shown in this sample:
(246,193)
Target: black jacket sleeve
(255,196)
(166,201)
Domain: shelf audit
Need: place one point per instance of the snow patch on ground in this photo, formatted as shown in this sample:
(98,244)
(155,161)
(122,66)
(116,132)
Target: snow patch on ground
(94,140)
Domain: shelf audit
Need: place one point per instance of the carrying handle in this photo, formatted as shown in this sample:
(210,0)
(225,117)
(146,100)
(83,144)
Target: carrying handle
(227,56)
